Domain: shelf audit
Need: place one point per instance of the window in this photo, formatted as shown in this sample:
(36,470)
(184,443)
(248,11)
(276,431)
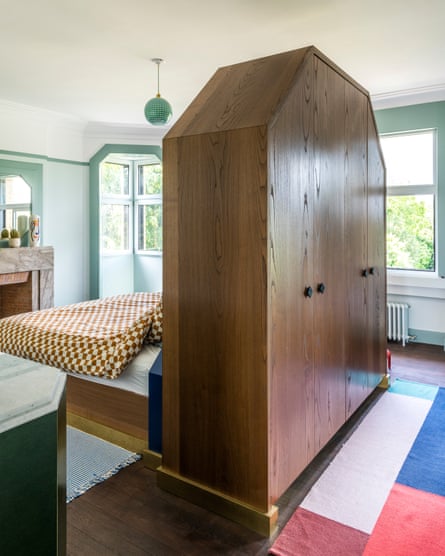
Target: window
(115,207)
(149,208)
(411,200)
(131,206)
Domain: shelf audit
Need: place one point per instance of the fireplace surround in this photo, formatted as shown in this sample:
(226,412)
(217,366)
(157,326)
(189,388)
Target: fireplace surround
(26,279)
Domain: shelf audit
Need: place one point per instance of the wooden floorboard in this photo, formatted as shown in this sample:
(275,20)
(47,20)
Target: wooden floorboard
(418,362)
(129,515)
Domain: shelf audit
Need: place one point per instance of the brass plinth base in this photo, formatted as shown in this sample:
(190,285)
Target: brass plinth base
(262,523)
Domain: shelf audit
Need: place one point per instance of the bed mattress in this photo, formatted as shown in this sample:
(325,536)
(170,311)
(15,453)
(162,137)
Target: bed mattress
(134,378)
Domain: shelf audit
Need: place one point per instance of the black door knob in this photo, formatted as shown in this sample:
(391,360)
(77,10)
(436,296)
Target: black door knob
(308,291)
(321,288)
(365,272)
(372,270)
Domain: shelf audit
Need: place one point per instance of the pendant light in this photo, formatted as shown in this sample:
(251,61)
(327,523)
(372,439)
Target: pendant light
(157,110)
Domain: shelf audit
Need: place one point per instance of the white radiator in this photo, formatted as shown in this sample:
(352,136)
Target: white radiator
(397,321)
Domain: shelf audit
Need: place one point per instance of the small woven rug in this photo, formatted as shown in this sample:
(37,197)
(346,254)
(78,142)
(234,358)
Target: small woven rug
(91,460)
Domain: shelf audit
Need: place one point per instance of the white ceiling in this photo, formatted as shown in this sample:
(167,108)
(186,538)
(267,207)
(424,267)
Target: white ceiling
(91,59)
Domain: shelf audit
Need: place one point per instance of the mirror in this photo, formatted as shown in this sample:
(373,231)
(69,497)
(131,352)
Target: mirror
(15,203)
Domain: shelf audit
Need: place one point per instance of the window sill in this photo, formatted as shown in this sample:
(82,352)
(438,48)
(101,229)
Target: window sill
(415,284)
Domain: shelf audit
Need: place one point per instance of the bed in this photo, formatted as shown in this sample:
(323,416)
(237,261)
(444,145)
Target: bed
(107,347)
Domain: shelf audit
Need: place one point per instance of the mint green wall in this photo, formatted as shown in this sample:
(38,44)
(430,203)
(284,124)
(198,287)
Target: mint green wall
(145,272)
(423,116)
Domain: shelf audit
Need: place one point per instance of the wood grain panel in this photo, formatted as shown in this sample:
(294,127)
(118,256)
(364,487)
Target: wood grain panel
(329,252)
(118,409)
(291,270)
(376,256)
(222,312)
(230,99)
(356,243)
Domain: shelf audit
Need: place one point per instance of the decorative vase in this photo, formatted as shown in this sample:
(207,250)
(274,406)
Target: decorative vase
(34,228)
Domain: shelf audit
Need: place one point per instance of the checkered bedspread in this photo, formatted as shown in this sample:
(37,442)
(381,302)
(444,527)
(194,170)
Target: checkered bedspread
(97,337)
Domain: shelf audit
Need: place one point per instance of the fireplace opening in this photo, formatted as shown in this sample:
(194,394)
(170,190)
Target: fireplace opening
(15,293)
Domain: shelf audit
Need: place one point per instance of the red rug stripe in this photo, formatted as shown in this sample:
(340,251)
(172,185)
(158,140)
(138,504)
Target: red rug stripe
(310,534)
(412,523)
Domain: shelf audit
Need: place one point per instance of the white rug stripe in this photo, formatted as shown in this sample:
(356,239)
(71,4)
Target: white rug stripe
(355,486)
(91,460)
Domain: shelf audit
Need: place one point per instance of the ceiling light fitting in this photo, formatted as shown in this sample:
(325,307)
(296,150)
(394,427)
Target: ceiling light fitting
(157,110)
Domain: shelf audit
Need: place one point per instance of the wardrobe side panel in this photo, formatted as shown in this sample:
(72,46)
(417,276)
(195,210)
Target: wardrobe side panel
(222,312)
(291,270)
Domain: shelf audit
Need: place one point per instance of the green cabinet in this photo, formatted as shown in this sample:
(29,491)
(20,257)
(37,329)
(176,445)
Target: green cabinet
(32,458)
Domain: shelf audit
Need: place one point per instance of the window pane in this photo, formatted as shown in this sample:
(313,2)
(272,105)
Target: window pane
(150,179)
(410,232)
(409,158)
(114,179)
(150,227)
(7,219)
(114,227)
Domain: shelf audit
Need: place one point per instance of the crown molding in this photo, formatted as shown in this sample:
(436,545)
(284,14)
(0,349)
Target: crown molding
(126,132)
(42,115)
(420,95)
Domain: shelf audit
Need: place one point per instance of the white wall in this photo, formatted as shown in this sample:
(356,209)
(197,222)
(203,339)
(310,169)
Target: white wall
(426,297)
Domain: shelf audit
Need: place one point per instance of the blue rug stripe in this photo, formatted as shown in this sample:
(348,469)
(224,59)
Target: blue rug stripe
(424,468)
(415,389)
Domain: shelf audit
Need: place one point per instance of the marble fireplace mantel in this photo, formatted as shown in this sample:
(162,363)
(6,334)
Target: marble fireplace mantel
(26,279)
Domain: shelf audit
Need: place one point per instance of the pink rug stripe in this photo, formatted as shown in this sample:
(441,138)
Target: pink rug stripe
(309,534)
(412,523)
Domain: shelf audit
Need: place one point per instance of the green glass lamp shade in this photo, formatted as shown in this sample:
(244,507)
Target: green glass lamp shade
(158,111)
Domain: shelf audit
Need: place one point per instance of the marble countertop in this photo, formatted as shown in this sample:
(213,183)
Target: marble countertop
(28,390)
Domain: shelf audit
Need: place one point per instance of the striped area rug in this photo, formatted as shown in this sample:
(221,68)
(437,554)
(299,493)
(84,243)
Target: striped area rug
(91,460)
(384,492)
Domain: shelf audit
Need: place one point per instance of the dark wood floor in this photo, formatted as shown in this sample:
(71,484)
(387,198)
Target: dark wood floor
(129,515)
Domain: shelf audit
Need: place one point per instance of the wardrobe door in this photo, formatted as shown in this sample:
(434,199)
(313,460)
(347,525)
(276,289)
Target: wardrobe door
(356,243)
(329,267)
(291,273)
(376,259)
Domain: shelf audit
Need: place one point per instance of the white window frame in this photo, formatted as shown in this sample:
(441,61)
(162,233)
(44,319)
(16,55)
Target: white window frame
(418,189)
(121,200)
(141,200)
(133,200)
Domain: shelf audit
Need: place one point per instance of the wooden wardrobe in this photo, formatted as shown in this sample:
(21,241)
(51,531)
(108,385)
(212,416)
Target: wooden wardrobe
(274,278)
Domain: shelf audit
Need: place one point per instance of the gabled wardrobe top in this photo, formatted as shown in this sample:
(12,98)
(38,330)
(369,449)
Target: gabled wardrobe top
(247,94)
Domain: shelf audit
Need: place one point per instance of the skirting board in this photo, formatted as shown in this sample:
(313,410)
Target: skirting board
(106,433)
(427,337)
(263,523)
(152,460)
